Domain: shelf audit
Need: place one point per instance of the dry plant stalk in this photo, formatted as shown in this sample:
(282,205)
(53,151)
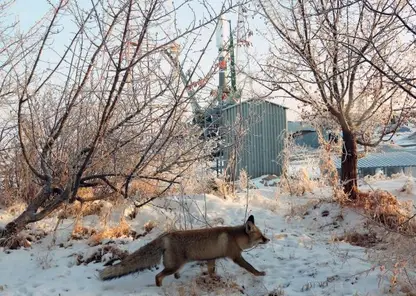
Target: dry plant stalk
(300,183)
(384,208)
(80,232)
(329,173)
(83,209)
(226,189)
(123,229)
(144,188)
(199,178)
(408,186)
(244,180)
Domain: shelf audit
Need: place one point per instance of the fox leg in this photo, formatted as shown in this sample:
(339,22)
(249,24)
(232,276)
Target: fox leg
(177,274)
(164,273)
(211,267)
(247,266)
(172,264)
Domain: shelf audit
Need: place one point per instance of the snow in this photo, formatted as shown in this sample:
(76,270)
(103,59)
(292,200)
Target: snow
(302,257)
(405,137)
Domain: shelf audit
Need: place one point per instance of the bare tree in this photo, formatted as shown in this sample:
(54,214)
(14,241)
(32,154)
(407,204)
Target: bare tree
(311,62)
(107,109)
(404,15)
(10,47)
(7,49)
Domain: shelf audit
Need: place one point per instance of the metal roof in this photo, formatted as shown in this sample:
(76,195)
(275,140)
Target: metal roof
(295,126)
(254,100)
(382,160)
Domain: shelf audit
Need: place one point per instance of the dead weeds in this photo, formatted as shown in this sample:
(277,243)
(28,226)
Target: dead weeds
(385,209)
(80,232)
(217,284)
(299,184)
(83,209)
(15,242)
(110,252)
(123,229)
(366,240)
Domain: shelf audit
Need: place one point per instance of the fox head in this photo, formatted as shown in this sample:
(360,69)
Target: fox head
(255,236)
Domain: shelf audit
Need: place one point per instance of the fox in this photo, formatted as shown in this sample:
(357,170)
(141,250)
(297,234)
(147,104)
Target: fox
(183,246)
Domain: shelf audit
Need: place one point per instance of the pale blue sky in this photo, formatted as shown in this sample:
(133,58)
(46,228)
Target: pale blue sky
(30,11)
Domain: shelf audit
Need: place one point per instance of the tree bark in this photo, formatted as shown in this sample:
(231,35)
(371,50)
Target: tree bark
(31,214)
(349,162)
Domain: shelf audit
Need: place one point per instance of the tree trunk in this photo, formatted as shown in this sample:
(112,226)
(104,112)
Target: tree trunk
(17,225)
(349,161)
(31,214)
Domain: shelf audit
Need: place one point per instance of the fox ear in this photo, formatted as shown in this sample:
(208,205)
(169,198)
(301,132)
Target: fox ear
(249,226)
(251,219)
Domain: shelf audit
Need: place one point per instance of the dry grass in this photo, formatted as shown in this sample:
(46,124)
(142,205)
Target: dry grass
(16,208)
(144,188)
(85,193)
(15,242)
(9,198)
(377,177)
(97,257)
(80,232)
(385,209)
(224,188)
(365,240)
(198,179)
(393,246)
(408,186)
(123,229)
(327,168)
(207,284)
(98,207)
(339,195)
(406,288)
(81,209)
(299,184)
(243,180)
(391,237)
(23,239)
(149,225)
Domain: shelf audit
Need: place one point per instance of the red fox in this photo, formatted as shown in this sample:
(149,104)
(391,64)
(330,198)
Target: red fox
(181,247)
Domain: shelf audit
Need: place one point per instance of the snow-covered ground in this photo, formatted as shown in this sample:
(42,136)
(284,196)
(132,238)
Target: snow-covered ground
(302,257)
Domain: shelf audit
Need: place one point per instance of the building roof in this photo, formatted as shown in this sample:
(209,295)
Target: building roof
(255,101)
(382,160)
(296,126)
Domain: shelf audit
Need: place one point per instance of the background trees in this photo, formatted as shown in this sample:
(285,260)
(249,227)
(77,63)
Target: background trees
(403,14)
(319,56)
(106,108)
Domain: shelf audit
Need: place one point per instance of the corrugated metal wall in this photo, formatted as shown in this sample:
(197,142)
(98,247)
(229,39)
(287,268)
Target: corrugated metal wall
(259,147)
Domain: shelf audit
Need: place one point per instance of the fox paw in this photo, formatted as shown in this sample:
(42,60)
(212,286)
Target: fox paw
(261,273)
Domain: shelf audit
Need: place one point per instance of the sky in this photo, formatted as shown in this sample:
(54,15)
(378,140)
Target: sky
(29,12)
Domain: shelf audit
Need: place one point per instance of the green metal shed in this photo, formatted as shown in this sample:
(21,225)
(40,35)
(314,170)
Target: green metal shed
(254,132)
